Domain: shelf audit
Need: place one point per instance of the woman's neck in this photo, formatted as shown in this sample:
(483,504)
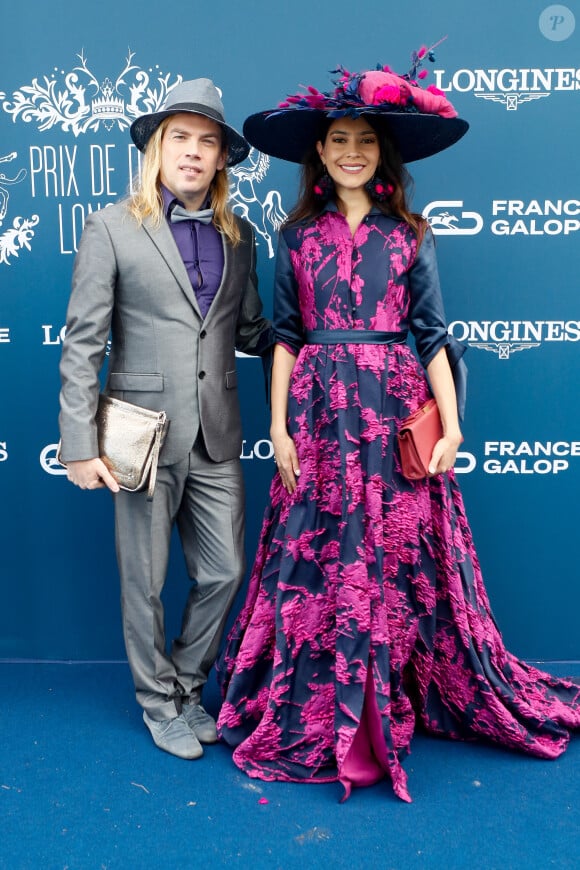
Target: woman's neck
(354,205)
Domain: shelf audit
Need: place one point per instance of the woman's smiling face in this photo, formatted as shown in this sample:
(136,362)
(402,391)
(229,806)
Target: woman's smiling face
(350,152)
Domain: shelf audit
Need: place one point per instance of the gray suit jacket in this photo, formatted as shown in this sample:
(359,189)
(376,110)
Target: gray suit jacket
(130,282)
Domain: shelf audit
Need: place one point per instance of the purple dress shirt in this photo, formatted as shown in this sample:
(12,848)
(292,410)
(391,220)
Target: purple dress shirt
(201,249)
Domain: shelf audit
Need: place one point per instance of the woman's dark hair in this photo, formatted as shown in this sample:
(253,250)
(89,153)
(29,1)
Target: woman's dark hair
(390,169)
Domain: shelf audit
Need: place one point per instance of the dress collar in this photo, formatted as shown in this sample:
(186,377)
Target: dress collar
(331,206)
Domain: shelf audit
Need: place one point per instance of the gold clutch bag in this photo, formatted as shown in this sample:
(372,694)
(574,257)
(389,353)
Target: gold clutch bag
(130,438)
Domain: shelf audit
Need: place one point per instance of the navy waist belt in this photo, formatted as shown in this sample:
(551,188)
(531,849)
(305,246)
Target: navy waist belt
(354,336)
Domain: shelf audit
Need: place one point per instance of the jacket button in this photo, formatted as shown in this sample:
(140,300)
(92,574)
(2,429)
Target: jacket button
(201,376)
(203,333)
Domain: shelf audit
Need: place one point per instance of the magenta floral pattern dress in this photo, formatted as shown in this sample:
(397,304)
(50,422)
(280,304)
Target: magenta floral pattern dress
(366,614)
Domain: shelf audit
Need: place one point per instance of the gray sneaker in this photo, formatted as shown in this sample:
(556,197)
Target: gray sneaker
(174,736)
(200,722)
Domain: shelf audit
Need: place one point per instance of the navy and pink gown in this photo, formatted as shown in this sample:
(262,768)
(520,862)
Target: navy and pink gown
(366,616)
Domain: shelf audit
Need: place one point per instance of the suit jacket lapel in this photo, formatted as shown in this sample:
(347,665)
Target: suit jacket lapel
(163,240)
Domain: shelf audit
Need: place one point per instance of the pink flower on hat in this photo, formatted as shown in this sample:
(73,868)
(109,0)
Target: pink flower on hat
(433,101)
(379,87)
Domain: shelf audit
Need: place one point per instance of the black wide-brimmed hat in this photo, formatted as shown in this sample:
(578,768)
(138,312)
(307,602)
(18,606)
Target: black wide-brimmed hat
(200,97)
(420,121)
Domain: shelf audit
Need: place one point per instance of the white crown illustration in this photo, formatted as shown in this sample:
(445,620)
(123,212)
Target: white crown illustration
(108,106)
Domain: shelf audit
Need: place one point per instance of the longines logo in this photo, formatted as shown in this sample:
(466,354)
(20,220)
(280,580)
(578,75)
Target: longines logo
(51,336)
(507,217)
(3,451)
(524,457)
(54,337)
(262,449)
(509,87)
(505,337)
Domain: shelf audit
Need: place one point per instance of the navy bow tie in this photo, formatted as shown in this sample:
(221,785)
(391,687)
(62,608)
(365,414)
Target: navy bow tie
(179,213)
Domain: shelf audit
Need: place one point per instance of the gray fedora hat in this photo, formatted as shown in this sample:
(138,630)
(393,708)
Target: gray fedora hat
(200,97)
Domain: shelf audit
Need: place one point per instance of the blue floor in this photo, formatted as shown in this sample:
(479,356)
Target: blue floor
(83,786)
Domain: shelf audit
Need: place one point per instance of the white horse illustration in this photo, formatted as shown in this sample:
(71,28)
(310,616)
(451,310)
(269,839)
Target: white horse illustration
(243,179)
(443,219)
(4,180)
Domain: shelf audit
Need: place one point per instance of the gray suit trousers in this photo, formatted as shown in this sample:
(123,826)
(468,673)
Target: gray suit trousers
(206,500)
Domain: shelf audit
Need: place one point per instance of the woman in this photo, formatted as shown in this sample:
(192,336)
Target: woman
(366,611)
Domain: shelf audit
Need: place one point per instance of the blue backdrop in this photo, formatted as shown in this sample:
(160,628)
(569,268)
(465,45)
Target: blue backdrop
(504,202)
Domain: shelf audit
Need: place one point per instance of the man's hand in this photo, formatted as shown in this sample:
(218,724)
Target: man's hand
(91,474)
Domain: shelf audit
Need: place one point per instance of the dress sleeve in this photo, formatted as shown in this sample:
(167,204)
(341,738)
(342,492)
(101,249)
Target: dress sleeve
(427,318)
(426,314)
(288,326)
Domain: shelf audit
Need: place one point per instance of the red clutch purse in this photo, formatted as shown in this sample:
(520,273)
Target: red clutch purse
(417,438)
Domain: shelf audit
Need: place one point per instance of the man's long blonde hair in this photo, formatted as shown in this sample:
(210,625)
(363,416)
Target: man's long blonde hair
(147,200)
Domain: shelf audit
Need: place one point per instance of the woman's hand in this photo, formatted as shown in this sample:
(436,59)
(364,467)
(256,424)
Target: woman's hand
(445,453)
(286,459)
(445,450)
(285,455)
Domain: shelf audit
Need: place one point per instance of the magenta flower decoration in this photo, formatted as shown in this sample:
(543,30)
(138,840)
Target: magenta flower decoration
(432,103)
(380,87)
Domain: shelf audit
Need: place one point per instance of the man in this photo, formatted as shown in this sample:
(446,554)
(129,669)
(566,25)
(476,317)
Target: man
(178,293)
